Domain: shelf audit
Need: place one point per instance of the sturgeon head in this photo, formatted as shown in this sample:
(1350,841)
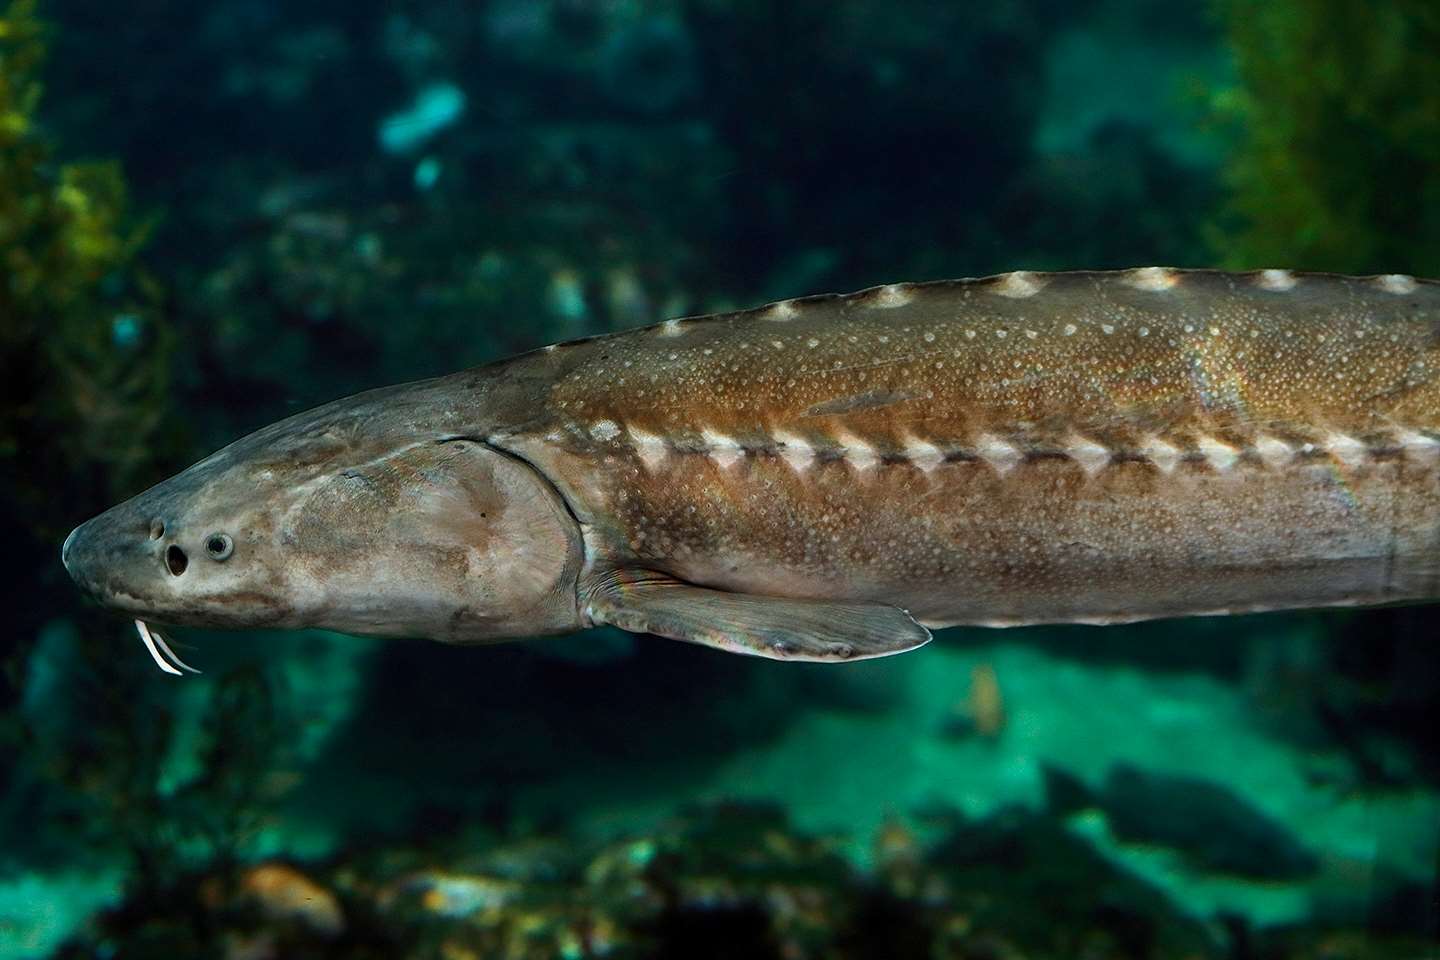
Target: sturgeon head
(371,515)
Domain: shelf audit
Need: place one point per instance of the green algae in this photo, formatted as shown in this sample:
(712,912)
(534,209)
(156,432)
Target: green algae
(84,365)
(84,346)
(1338,164)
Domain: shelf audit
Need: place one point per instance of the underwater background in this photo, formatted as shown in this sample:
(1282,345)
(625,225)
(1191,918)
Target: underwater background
(215,214)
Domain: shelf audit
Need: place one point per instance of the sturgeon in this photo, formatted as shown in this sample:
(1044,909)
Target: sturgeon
(825,478)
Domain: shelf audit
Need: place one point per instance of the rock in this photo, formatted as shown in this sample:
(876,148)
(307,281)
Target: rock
(283,894)
(1212,826)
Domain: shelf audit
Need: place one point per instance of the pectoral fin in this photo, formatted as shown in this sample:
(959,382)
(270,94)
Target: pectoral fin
(774,627)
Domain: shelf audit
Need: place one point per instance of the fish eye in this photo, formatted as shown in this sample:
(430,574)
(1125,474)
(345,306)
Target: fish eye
(219,546)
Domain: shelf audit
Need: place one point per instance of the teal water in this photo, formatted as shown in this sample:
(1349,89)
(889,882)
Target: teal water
(214,215)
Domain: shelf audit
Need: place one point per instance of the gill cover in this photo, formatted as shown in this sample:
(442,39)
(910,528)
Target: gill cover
(451,540)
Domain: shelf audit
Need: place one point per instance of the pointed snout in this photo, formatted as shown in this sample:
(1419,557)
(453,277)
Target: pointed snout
(110,557)
(90,555)
(65,550)
(78,556)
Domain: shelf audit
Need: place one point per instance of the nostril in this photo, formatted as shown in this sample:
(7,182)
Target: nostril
(176,560)
(157,528)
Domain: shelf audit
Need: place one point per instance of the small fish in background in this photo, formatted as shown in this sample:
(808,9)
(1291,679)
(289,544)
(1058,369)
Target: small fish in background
(982,712)
(828,478)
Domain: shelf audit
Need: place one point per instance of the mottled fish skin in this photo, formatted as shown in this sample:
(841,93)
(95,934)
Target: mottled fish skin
(1031,447)
(808,480)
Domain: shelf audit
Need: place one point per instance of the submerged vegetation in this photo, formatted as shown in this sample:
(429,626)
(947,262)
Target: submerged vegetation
(719,881)
(1338,163)
(84,349)
(85,352)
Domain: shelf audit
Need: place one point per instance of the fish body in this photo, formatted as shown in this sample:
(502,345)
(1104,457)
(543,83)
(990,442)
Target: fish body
(823,478)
